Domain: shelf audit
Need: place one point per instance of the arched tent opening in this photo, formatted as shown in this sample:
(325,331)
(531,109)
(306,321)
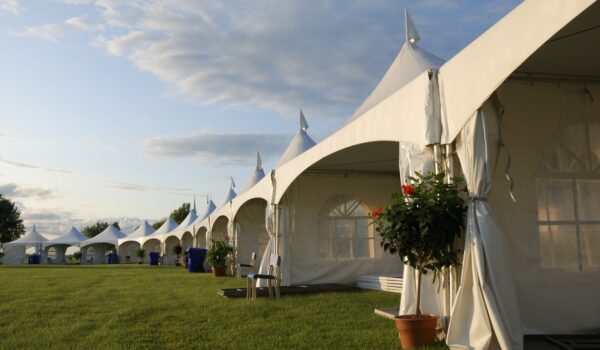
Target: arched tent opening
(219,229)
(151,245)
(536,110)
(101,244)
(324,216)
(95,254)
(55,250)
(169,256)
(252,234)
(187,240)
(201,237)
(127,251)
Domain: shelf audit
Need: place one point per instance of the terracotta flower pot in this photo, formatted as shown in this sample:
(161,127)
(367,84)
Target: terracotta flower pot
(416,331)
(219,271)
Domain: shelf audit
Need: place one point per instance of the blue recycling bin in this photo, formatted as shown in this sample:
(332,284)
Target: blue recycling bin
(154,256)
(34,259)
(112,258)
(196,259)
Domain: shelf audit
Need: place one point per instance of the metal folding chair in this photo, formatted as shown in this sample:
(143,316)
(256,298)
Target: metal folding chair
(273,278)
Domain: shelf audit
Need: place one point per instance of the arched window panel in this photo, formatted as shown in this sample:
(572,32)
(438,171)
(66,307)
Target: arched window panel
(344,230)
(568,194)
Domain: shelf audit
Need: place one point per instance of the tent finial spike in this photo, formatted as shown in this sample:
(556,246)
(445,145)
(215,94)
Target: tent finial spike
(412,36)
(194,202)
(303,122)
(258,161)
(232,182)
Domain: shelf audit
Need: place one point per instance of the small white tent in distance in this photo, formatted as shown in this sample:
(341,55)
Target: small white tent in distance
(55,250)
(93,250)
(15,251)
(129,245)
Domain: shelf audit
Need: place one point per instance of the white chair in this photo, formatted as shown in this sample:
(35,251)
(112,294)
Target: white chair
(273,278)
(251,264)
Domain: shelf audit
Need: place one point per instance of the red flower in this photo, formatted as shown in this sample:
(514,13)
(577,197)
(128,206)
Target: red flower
(408,190)
(376,213)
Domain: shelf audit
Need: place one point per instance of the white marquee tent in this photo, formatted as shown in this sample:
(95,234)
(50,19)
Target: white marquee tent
(133,241)
(93,250)
(157,241)
(14,252)
(56,249)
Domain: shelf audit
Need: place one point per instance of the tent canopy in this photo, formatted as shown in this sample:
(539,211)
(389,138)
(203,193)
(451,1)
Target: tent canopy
(230,194)
(73,237)
(256,175)
(31,238)
(110,235)
(300,143)
(408,64)
(472,75)
(144,230)
(168,226)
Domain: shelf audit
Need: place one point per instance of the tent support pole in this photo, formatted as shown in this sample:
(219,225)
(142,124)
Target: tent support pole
(437,158)
(449,157)
(276,226)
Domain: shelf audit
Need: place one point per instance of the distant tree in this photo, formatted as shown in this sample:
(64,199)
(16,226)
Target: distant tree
(97,228)
(180,213)
(11,224)
(158,224)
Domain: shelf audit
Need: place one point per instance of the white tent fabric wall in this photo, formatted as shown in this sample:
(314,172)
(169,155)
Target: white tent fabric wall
(319,248)
(486,308)
(13,255)
(555,249)
(270,247)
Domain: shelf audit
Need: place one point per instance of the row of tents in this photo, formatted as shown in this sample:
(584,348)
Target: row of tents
(515,113)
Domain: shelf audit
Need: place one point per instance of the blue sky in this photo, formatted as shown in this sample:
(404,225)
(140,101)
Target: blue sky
(122,110)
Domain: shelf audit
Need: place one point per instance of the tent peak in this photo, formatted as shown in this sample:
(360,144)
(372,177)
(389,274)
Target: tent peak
(412,35)
(303,122)
(258,161)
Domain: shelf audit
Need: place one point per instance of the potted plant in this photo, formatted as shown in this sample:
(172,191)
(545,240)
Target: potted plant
(77,257)
(217,256)
(421,225)
(140,254)
(177,250)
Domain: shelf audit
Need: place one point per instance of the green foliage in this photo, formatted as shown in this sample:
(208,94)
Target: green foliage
(77,255)
(218,253)
(422,223)
(140,253)
(97,228)
(158,224)
(177,250)
(180,213)
(11,224)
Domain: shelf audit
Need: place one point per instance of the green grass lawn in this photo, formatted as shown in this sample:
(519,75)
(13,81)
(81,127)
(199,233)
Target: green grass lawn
(140,307)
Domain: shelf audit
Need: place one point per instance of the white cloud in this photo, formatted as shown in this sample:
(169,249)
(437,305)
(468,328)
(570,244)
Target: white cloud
(49,32)
(12,190)
(11,6)
(35,167)
(56,221)
(84,23)
(219,149)
(276,54)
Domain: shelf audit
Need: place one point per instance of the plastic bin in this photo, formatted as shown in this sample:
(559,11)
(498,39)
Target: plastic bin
(196,259)
(154,257)
(34,259)
(112,258)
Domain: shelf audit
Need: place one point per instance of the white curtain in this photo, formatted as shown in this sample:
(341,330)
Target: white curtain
(485,313)
(270,249)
